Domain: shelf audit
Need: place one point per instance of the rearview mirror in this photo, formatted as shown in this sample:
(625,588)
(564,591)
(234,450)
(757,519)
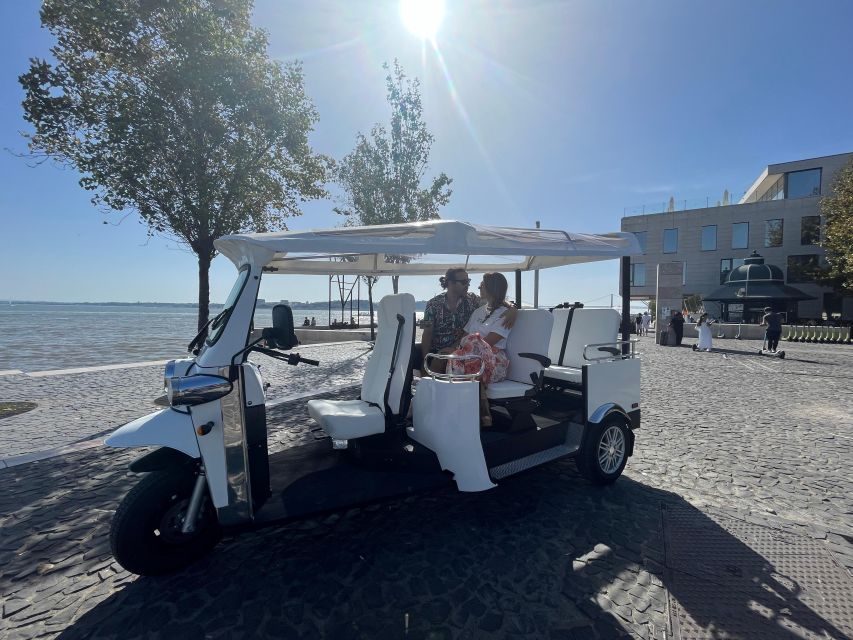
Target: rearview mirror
(281,335)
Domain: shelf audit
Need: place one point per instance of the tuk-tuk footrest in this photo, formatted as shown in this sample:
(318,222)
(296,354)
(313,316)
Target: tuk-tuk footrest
(528,462)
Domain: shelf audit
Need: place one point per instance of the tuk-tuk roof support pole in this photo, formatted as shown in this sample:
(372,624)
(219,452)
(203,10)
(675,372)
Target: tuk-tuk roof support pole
(625,281)
(518,288)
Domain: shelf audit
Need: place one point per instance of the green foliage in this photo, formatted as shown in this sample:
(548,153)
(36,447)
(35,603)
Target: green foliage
(172,109)
(381,177)
(838,241)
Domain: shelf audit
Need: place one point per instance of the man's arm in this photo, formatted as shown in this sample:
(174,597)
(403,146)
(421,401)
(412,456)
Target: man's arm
(509,317)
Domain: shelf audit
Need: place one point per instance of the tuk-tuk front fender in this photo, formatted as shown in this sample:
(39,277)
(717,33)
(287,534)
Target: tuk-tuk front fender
(166,428)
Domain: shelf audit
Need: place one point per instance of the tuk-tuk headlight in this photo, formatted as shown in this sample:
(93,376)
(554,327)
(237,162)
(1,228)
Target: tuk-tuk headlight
(192,390)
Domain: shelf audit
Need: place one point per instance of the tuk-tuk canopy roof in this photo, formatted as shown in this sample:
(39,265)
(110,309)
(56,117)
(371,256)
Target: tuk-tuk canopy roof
(421,248)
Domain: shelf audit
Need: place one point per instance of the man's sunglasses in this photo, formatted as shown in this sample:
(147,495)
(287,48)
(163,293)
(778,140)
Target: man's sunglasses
(465,281)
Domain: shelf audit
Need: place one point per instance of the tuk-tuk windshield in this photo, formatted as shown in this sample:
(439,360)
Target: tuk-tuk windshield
(217,326)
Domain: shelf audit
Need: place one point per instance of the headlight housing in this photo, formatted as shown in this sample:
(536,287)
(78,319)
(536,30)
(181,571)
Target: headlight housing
(198,389)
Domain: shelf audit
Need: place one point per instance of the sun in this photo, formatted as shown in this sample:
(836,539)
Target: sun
(422,17)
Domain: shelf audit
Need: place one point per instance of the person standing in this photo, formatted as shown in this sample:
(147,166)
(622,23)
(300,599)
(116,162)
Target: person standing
(773,322)
(676,323)
(638,323)
(647,322)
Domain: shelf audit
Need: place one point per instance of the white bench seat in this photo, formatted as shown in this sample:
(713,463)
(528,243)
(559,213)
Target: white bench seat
(385,389)
(584,327)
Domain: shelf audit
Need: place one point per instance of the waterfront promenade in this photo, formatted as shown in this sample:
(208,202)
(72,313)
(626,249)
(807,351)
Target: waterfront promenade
(734,518)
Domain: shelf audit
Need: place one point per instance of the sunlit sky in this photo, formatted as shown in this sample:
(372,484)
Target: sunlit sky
(562,112)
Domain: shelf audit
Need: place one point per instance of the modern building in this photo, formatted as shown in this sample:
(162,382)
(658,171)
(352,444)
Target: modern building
(778,216)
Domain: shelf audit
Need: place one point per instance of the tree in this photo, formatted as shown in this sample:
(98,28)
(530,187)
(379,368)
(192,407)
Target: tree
(174,110)
(381,178)
(838,239)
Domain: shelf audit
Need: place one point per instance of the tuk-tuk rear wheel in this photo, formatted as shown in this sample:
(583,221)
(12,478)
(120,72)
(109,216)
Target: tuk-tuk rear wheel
(146,537)
(605,451)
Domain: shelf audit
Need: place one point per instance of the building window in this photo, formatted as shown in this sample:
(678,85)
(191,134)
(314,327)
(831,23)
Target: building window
(726,266)
(802,268)
(740,235)
(709,238)
(641,238)
(670,240)
(802,184)
(810,230)
(773,233)
(638,275)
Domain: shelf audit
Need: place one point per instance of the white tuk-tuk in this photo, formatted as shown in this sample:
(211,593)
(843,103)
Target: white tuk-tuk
(573,389)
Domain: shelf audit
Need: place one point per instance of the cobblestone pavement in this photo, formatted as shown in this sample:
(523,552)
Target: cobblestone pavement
(79,406)
(730,440)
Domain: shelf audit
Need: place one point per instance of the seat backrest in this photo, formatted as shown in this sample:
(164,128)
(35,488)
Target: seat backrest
(590,326)
(387,377)
(530,334)
(558,332)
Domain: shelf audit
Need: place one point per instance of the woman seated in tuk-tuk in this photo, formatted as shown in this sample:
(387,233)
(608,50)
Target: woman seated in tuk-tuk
(447,314)
(485,337)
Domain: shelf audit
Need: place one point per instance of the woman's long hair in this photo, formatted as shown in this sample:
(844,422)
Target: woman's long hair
(495,286)
(448,276)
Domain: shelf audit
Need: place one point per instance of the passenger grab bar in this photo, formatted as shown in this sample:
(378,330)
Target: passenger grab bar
(613,349)
(453,377)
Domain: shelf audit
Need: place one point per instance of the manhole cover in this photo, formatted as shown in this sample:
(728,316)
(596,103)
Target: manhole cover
(9,409)
(733,579)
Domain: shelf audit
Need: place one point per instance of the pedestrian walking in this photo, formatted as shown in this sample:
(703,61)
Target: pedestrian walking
(638,323)
(773,322)
(647,322)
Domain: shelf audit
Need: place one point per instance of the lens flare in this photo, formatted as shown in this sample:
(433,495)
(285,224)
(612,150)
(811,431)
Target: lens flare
(422,17)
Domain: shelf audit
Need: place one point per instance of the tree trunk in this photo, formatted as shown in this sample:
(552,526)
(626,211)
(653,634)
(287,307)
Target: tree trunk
(370,302)
(395,282)
(203,287)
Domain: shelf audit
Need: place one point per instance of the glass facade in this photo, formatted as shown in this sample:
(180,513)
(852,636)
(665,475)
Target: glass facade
(802,184)
(638,275)
(810,230)
(641,238)
(773,230)
(801,268)
(776,190)
(740,235)
(709,238)
(670,240)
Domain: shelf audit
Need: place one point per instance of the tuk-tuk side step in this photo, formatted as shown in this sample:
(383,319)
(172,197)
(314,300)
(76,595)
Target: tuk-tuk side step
(534,460)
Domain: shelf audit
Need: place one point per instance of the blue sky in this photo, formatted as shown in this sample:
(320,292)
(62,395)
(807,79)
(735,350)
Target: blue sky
(563,112)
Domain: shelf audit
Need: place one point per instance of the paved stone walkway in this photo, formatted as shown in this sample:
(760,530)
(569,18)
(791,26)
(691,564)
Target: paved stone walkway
(730,440)
(74,407)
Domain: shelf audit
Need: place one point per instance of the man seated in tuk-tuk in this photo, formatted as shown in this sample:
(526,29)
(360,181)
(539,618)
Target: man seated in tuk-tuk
(446,316)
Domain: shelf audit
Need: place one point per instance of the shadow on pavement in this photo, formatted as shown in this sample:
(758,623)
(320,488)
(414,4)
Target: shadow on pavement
(545,555)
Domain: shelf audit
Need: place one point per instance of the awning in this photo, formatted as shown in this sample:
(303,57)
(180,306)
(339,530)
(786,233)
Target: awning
(422,248)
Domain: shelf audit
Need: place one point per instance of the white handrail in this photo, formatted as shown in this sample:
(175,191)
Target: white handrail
(453,377)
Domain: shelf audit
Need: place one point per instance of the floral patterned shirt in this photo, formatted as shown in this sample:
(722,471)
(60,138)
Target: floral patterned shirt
(446,322)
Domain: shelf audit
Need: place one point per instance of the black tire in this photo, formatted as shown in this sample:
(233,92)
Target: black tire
(145,536)
(603,456)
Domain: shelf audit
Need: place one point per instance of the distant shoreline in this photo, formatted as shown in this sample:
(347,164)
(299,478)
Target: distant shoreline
(311,306)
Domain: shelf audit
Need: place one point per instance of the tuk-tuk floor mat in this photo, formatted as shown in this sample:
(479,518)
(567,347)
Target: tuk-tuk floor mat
(733,579)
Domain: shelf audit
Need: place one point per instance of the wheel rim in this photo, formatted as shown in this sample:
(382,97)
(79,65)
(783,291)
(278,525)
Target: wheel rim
(611,449)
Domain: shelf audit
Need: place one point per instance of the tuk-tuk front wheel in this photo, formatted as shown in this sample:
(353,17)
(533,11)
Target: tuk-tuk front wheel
(146,536)
(605,451)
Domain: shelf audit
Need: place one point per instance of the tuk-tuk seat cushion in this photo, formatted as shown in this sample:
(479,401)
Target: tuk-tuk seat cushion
(567,374)
(507,389)
(346,419)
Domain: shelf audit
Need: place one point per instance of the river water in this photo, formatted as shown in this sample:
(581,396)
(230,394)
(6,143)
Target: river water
(35,337)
